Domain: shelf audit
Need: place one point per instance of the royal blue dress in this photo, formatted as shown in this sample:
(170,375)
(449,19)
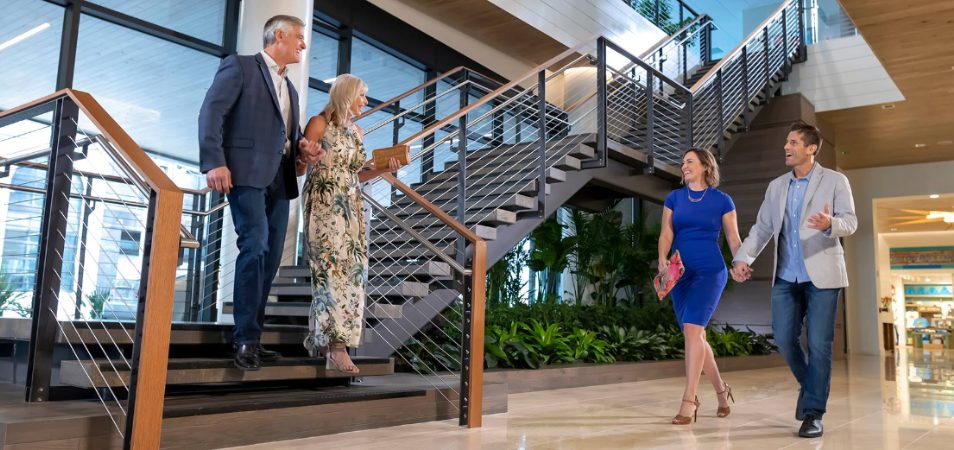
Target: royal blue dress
(696,228)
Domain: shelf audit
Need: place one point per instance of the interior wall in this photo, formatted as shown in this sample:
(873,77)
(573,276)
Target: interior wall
(571,21)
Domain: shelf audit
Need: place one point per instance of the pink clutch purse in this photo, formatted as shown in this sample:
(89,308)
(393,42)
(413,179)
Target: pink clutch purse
(664,281)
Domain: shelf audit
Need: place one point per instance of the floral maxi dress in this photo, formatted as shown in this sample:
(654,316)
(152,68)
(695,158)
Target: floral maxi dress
(335,237)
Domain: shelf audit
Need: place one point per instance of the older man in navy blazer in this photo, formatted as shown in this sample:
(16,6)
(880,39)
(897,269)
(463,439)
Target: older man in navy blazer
(251,149)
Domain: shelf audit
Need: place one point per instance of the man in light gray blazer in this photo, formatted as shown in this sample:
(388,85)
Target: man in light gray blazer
(805,211)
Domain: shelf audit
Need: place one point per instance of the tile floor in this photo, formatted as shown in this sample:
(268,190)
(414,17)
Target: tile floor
(904,401)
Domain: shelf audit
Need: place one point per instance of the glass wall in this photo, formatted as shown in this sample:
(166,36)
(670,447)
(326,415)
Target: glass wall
(387,73)
(149,65)
(30,33)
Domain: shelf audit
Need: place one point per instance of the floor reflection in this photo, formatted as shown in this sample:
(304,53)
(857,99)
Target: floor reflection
(926,386)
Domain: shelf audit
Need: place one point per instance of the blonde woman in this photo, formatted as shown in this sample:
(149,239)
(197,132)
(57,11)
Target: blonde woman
(692,220)
(335,227)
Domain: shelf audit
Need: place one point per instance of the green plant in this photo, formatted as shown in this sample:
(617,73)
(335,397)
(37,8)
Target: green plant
(729,342)
(96,300)
(10,298)
(550,255)
(638,267)
(609,244)
(545,343)
(503,278)
(585,346)
(666,20)
(581,256)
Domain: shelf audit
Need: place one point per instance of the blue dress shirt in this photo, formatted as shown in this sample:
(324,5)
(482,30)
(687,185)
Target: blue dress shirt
(791,261)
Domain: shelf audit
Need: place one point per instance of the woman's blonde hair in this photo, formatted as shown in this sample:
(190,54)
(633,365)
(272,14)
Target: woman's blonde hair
(708,161)
(344,91)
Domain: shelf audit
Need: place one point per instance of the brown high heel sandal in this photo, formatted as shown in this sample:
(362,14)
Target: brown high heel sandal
(727,391)
(332,363)
(685,420)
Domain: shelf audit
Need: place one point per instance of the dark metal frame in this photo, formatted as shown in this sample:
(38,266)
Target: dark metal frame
(52,242)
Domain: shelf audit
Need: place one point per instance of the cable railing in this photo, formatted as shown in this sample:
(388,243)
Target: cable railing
(668,15)
(683,52)
(722,96)
(483,154)
(99,223)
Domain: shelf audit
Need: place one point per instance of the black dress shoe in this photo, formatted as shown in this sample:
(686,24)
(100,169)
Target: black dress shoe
(267,355)
(246,357)
(811,427)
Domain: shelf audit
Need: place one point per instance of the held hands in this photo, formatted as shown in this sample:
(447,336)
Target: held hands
(741,271)
(820,221)
(310,152)
(663,264)
(219,179)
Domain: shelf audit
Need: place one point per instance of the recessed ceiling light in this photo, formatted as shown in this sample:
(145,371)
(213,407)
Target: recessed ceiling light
(888,106)
(894,229)
(935,196)
(920,145)
(947,142)
(844,153)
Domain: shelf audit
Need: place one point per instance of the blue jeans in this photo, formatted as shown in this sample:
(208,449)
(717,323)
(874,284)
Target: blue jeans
(793,304)
(260,217)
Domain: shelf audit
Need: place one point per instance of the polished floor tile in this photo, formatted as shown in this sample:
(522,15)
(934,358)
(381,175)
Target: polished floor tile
(903,401)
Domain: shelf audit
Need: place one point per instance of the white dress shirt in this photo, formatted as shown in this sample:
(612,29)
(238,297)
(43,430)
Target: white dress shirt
(284,99)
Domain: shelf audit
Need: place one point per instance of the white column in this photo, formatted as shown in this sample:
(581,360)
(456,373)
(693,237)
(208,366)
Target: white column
(252,20)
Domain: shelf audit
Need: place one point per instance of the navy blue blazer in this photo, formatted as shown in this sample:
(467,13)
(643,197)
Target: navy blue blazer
(241,126)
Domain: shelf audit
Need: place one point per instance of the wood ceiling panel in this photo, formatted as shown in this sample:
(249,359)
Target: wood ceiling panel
(914,40)
(493,26)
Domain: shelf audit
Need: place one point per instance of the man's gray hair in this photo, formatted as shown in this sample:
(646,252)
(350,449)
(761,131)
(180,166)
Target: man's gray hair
(279,22)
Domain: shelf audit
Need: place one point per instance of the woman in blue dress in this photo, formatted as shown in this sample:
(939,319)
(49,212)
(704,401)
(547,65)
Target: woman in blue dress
(692,220)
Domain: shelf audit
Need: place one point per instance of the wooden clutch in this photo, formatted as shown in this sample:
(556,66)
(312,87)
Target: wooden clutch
(382,156)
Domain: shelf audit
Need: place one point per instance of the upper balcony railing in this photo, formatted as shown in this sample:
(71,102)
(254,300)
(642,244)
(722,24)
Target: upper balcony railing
(668,15)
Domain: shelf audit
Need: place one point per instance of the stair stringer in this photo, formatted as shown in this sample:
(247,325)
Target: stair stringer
(388,334)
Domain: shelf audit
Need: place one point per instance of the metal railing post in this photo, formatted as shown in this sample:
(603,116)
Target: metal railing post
(542,147)
(650,125)
(690,122)
(56,206)
(462,173)
(212,254)
(768,72)
(785,38)
(747,96)
(601,101)
(721,128)
(802,41)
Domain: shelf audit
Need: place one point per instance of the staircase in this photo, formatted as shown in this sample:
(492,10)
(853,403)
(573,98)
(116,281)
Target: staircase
(504,181)
(487,175)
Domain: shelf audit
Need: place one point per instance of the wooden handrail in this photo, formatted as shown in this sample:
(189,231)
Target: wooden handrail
(755,33)
(163,258)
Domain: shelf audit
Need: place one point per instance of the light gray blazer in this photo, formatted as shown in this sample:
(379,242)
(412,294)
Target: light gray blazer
(824,255)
